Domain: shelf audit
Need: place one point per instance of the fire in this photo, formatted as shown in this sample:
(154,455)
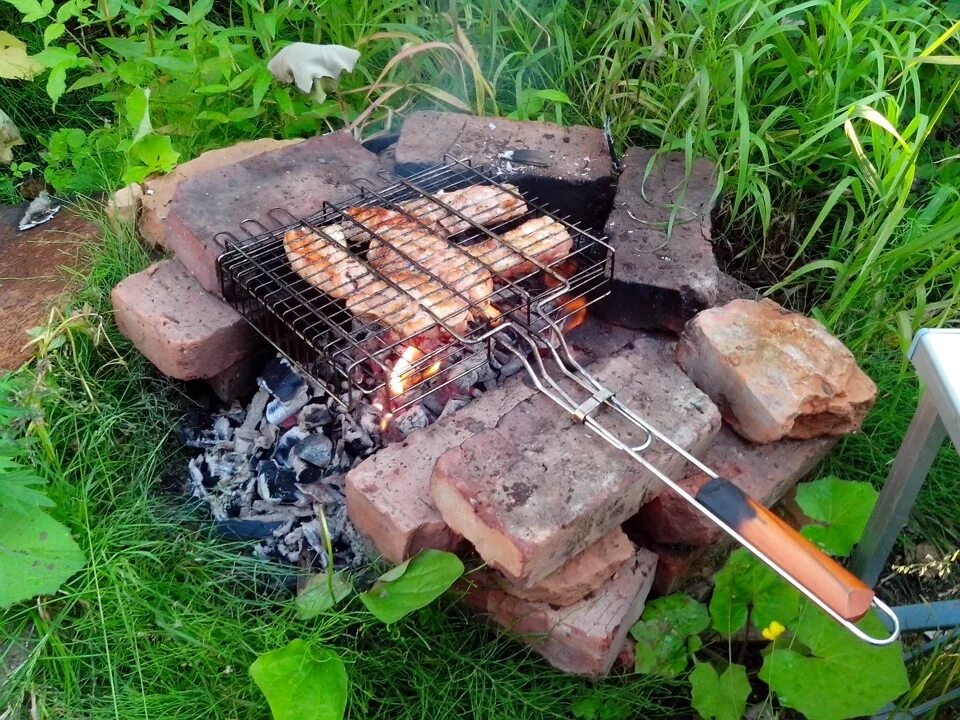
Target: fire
(576,313)
(405,375)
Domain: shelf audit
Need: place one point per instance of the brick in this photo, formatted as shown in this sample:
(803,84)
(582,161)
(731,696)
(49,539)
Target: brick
(159,190)
(579,576)
(298,178)
(661,279)
(123,207)
(239,379)
(388,494)
(540,488)
(774,373)
(765,472)
(578,179)
(584,638)
(689,570)
(186,332)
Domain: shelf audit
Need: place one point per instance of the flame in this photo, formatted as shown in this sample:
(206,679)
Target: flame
(576,313)
(404,375)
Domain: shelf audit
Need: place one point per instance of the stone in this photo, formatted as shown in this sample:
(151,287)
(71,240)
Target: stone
(662,276)
(296,178)
(123,207)
(774,373)
(580,575)
(388,494)
(584,638)
(158,191)
(577,179)
(765,472)
(33,277)
(239,379)
(539,488)
(187,333)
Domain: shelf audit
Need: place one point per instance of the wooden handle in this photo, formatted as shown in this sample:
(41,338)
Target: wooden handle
(822,576)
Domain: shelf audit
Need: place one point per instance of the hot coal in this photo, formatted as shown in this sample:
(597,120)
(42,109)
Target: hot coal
(315,449)
(281,380)
(314,415)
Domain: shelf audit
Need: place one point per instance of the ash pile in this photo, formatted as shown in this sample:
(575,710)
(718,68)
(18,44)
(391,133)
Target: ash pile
(272,472)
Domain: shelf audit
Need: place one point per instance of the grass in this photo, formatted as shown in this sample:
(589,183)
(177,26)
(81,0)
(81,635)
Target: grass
(839,155)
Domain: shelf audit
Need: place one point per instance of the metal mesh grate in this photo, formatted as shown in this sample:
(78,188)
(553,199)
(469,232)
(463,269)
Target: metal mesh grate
(409,284)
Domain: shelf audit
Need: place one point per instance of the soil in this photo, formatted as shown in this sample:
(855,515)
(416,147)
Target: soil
(32,273)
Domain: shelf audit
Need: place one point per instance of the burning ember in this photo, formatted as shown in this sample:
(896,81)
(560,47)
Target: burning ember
(405,375)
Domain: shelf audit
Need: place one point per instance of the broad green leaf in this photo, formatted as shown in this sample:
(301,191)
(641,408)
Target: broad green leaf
(31,9)
(557,96)
(301,682)
(52,32)
(215,89)
(127,49)
(15,64)
(412,585)
(138,112)
(172,64)
(746,583)
(664,632)
(54,56)
(156,153)
(260,86)
(719,697)
(282,96)
(321,593)
(37,554)
(598,706)
(841,509)
(843,677)
(57,82)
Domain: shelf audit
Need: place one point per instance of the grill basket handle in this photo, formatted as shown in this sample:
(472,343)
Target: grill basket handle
(836,586)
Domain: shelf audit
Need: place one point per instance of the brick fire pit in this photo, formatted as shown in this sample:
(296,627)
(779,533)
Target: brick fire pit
(573,535)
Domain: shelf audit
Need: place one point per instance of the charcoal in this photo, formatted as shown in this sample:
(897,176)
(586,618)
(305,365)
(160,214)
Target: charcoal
(309,476)
(286,444)
(314,415)
(412,419)
(433,403)
(245,529)
(235,413)
(279,411)
(277,484)
(268,435)
(454,404)
(256,409)
(244,440)
(356,440)
(315,449)
(221,429)
(281,380)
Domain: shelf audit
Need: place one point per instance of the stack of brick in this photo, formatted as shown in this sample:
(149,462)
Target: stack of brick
(172,311)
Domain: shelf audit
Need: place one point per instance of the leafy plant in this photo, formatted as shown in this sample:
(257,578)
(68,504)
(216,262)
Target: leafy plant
(302,682)
(812,665)
(37,552)
(412,585)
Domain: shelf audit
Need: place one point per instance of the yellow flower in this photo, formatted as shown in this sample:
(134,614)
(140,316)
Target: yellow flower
(773,630)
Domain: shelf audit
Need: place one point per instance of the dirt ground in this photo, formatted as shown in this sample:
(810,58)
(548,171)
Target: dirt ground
(32,273)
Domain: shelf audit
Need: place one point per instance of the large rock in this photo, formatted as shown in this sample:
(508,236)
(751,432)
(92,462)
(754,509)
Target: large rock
(576,180)
(584,638)
(388,494)
(663,275)
(774,373)
(540,488)
(186,332)
(297,178)
(34,274)
(765,472)
(579,576)
(159,190)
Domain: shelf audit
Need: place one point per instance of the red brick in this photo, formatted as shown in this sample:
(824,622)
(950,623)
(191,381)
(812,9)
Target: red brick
(540,488)
(298,178)
(662,278)
(584,638)
(186,332)
(765,472)
(776,374)
(680,568)
(388,495)
(579,576)
(239,379)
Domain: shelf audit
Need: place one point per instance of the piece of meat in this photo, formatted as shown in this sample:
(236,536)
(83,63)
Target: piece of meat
(325,263)
(541,239)
(402,243)
(485,205)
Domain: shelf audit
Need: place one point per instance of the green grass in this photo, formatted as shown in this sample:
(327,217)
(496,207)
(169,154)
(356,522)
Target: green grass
(840,168)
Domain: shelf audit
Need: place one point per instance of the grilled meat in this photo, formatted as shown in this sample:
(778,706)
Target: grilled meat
(483,204)
(540,239)
(402,243)
(327,264)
